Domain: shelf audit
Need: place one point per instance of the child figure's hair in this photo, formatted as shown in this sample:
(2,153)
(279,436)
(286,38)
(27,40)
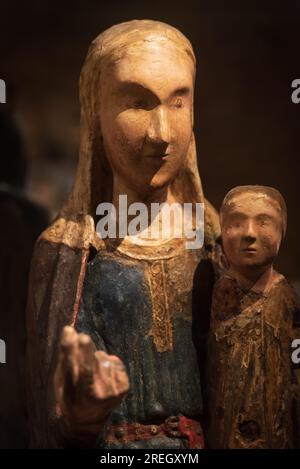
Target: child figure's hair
(270,192)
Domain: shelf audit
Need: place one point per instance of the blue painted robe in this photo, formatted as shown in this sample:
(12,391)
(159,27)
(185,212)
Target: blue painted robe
(126,303)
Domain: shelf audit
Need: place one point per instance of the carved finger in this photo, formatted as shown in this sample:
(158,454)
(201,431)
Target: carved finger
(111,379)
(117,362)
(86,363)
(86,353)
(68,364)
(69,352)
(103,388)
(121,382)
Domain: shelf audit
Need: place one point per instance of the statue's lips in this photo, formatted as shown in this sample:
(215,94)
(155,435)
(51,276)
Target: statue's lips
(157,157)
(250,250)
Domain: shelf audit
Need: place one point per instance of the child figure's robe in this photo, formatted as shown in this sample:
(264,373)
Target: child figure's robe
(253,390)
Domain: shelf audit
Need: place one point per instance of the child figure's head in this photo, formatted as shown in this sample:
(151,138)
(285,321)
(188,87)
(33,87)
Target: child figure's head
(253,223)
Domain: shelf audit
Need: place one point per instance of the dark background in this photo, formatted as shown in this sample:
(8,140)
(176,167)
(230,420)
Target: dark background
(246,125)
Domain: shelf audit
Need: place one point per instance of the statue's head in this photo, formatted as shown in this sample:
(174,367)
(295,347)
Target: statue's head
(136,128)
(136,92)
(253,223)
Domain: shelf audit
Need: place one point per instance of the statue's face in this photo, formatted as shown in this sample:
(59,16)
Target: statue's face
(146,114)
(251,231)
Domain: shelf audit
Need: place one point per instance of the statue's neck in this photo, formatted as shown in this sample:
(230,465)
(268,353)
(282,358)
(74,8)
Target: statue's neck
(160,195)
(154,218)
(260,280)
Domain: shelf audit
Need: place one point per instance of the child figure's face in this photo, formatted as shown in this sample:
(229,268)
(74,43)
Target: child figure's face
(251,230)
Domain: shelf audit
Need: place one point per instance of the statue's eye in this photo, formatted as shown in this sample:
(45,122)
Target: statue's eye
(139,104)
(264,220)
(178,103)
(235,225)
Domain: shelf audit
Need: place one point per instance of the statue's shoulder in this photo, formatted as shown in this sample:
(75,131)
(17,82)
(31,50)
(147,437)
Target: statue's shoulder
(284,292)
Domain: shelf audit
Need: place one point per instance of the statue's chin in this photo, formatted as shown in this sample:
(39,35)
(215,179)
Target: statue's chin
(161,179)
(150,183)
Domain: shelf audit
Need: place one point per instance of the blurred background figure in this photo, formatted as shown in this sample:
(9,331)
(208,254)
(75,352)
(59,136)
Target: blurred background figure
(21,222)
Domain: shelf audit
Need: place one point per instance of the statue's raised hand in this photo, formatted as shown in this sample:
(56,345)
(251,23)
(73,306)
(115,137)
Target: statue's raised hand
(89,384)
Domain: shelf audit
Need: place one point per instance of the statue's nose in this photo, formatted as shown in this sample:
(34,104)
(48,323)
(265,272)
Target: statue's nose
(249,231)
(159,129)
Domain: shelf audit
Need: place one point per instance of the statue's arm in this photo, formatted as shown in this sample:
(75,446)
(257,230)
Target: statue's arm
(58,385)
(53,280)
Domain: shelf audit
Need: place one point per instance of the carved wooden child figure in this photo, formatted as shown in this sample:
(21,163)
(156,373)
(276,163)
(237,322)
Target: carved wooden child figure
(252,384)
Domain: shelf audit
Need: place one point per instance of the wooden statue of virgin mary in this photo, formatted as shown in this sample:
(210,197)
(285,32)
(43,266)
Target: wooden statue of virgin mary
(129,297)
